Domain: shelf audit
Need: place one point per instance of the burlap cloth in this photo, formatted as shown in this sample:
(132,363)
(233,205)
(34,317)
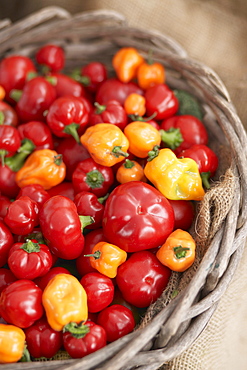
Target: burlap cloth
(215,33)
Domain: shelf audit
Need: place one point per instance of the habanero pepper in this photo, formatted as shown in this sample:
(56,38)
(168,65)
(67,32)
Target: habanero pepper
(161,100)
(175,178)
(52,57)
(8,115)
(65,301)
(65,85)
(92,75)
(10,141)
(4,205)
(6,242)
(112,112)
(6,277)
(130,171)
(62,227)
(44,167)
(106,143)
(44,280)
(12,343)
(65,188)
(38,132)
(36,192)
(135,105)
(178,251)
(126,62)
(150,73)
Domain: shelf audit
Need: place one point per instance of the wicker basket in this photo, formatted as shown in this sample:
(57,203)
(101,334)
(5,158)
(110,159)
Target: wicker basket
(176,321)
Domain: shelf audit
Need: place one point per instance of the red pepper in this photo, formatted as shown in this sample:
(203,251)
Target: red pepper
(93,75)
(14,71)
(142,278)
(42,340)
(66,85)
(22,216)
(36,192)
(191,129)
(80,340)
(4,205)
(137,217)
(206,159)
(52,57)
(113,89)
(99,289)
(37,96)
(10,141)
(117,320)
(93,177)
(72,153)
(6,242)
(88,204)
(6,277)
(29,260)
(161,100)
(21,303)
(112,112)
(38,132)
(8,115)
(67,116)
(65,188)
(44,280)
(62,227)
(184,212)
(83,264)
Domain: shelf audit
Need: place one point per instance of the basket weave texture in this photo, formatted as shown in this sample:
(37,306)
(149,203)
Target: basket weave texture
(179,316)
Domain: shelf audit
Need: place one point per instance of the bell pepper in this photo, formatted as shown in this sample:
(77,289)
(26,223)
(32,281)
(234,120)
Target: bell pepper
(8,115)
(106,143)
(12,343)
(38,132)
(65,301)
(6,242)
(51,58)
(66,85)
(112,112)
(44,167)
(175,178)
(150,73)
(36,192)
(142,138)
(135,104)
(130,171)
(106,258)
(178,251)
(161,100)
(126,62)
(10,141)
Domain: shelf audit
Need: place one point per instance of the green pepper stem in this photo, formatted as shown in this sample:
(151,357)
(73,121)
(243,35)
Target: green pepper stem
(2,117)
(25,356)
(16,94)
(136,117)
(16,162)
(128,163)
(172,137)
(100,108)
(102,199)
(96,255)
(205,176)
(180,252)
(72,130)
(77,76)
(153,153)
(117,152)
(30,247)
(3,153)
(58,159)
(94,179)
(85,221)
(76,330)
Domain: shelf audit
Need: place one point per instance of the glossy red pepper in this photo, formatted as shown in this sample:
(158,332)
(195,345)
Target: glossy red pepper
(44,280)
(192,131)
(72,153)
(8,115)
(206,159)
(184,212)
(21,303)
(117,320)
(65,188)
(137,217)
(83,264)
(52,57)
(6,242)
(14,71)
(62,227)
(42,340)
(113,89)
(93,75)
(10,141)
(38,132)
(67,116)
(99,289)
(142,278)
(93,177)
(22,216)
(83,339)
(6,277)
(112,112)
(88,204)
(29,260)
(4,205)
(66,85)
(36,192)
(37,96)
(161,100)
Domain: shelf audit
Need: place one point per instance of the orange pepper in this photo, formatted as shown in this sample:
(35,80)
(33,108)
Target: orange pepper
(150,74)
(12,343)
(142,138)
(106,258)
(2,93)
(44,167)
(178,251)
(135,104)
(106,143)
(126,62)
(130,171)
(64,300)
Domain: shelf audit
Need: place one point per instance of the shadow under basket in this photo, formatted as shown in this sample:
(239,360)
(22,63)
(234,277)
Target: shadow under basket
(179,316)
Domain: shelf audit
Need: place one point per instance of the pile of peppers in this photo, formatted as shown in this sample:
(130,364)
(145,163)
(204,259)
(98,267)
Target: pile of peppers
(99,177)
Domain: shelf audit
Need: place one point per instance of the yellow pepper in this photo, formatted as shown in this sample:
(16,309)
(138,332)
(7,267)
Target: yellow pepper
(64,300)
(178,251)
(44,167)
(126,62)
(106,258)
(174,178)
(12,343)
(106,143)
